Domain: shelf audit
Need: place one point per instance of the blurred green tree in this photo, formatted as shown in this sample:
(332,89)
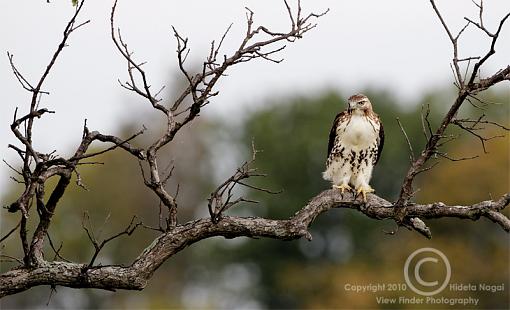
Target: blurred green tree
(114,194)
(346,248)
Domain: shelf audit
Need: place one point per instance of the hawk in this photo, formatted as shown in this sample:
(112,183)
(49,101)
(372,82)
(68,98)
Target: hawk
(355,144)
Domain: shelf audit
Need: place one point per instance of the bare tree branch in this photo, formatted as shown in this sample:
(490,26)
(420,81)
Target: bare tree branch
(10,232)
(221,199)
(136,275)
(258,42)
(38,167)
(411,151)
(466,88)
(99,245)
(201,88)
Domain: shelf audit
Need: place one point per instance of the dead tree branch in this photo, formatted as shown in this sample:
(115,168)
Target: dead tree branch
(221,199)
(136,275)
(258,42)
(99,245)
(38,167)
(466,87)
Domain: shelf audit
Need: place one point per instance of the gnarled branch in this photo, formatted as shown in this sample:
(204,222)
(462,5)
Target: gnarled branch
(467,87)
(258,42)
(136,276)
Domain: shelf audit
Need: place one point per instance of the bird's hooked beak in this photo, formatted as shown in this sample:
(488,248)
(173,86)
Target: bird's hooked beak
(357,105)
(363,105)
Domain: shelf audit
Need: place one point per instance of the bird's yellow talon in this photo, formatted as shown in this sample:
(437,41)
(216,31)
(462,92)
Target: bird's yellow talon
(364,191)
(343,187)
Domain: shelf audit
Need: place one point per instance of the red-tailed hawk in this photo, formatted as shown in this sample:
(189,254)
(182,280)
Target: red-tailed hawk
(355,145)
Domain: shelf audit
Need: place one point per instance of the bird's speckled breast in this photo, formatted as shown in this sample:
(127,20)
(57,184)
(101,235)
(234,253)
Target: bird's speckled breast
(359,132)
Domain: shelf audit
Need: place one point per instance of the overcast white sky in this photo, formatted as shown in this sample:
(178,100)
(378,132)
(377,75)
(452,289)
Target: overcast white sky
(397,45)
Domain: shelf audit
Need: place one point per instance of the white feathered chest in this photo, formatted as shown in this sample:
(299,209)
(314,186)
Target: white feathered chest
(354,149)
(355,143)
(359,132)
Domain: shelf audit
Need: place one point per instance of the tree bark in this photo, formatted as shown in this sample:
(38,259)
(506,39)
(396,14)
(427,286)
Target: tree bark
(136,276)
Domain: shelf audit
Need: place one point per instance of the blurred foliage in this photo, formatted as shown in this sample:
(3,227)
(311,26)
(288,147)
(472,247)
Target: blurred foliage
(115,193)
(347,247)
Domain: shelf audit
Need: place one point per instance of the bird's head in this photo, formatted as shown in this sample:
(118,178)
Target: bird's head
(359,103)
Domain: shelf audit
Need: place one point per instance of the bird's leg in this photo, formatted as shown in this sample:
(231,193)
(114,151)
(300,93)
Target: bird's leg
(342,187)
(364,190)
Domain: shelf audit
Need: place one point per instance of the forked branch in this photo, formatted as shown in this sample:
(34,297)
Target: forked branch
(259,42)
(222,198)
(467,87)
(136,275)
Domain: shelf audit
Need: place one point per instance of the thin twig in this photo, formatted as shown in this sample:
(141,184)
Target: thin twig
(411,151)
